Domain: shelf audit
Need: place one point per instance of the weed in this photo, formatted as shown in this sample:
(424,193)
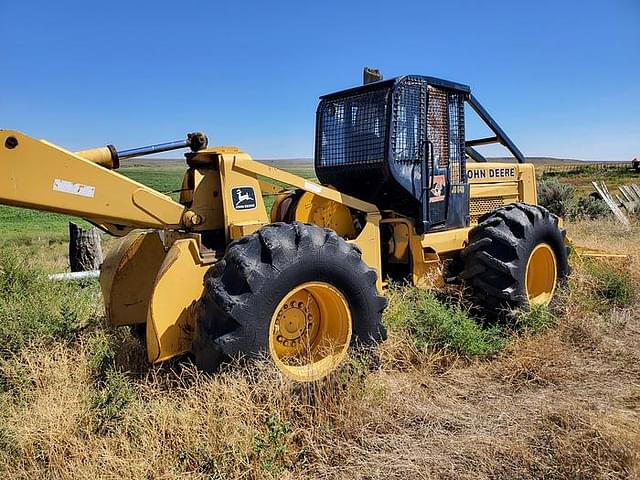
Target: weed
(15,381)
(198,460)
(610,284)
(555,196)
(101,353)
(7,441)
(534,320)
(111,400)
(272,447)
(588,208)
(561,199)
(32,308)
(353,373)
(436,325)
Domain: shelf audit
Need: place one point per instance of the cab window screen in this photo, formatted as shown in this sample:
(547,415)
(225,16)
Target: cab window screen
(353,130)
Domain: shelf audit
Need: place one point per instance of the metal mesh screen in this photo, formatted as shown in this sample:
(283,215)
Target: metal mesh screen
(480,206)
(408,122)
(438,125)
(353,130)
(456,138)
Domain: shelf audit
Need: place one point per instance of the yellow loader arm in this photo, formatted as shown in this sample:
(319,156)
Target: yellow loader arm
(38,175)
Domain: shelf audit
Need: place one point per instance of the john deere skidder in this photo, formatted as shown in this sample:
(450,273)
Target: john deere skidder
(218,276)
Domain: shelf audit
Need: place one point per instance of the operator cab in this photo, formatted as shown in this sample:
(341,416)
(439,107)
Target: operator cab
(400,144)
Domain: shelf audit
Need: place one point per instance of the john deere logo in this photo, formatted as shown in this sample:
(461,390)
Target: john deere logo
(244,198)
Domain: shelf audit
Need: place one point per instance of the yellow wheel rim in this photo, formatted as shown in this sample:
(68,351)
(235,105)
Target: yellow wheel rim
(310,331)
(541,275)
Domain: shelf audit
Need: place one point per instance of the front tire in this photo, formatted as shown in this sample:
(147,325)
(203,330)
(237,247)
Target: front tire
(298,293)
(515,258)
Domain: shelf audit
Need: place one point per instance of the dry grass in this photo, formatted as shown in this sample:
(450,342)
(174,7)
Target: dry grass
(561,404)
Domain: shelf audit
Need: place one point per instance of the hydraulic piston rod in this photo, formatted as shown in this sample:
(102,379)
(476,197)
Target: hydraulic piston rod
(194,141)
(110,158)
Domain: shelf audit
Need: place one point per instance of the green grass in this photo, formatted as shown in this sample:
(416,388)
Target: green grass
(611,285)
(17,224)
(34,309)
(581,180)
(433,324)
(110,400)
(535,320)
(167,180)
(100,353)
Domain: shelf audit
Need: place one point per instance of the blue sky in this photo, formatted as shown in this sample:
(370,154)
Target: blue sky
(561,77)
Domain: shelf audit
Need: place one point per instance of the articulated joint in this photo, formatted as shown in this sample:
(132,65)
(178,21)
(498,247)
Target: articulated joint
(191,219)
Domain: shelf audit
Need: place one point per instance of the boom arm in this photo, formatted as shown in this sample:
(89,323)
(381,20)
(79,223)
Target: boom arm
(36,174)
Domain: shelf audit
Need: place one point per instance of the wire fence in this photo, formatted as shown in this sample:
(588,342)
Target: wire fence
(583,167)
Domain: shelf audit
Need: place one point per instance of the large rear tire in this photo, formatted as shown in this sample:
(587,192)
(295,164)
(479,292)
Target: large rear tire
(515,258)
(295,292)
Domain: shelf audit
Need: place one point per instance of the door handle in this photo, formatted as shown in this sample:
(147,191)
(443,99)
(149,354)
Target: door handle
(432,163)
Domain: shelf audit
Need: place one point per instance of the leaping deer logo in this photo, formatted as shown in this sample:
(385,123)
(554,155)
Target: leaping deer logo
(243,197)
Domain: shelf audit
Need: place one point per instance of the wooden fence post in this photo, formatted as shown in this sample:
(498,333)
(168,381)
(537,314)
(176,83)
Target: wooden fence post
(85,249)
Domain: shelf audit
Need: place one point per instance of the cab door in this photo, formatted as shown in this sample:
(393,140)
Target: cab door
(437,155)
(447,190)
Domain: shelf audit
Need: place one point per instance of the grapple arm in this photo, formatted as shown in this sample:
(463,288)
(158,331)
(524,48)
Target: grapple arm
(38,175)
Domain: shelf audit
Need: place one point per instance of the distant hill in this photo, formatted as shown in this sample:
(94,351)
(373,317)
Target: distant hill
(286,160)
(536,160)
(549,160)
(178,162)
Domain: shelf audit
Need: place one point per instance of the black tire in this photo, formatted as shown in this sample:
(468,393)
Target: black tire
(243,290)
(496,257)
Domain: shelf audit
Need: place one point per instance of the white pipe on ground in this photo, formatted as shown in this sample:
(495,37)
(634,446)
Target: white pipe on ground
(74,275)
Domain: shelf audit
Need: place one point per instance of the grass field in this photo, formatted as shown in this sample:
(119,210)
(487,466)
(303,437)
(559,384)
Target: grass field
(582,179)
(557,395)
(19,224)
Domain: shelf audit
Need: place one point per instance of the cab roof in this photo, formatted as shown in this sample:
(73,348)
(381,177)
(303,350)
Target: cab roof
(437,82)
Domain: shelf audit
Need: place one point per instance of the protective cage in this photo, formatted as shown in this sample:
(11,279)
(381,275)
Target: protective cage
(387,141)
